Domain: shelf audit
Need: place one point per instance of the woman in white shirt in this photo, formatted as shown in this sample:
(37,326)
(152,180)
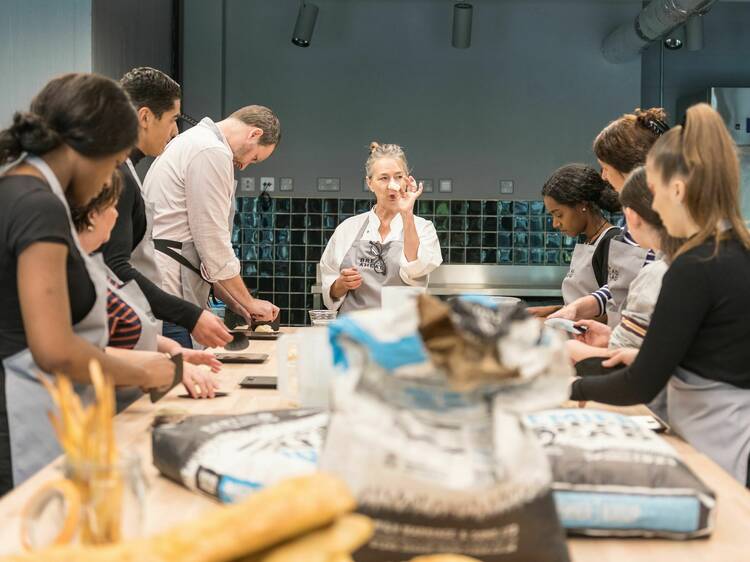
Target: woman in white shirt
(386,246)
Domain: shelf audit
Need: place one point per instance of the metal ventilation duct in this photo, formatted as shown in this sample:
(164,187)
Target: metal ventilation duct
(655,20)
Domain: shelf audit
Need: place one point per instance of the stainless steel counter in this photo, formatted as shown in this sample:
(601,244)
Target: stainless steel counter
(495,280)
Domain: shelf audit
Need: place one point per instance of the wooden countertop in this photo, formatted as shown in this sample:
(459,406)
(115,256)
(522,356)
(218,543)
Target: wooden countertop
(168,503)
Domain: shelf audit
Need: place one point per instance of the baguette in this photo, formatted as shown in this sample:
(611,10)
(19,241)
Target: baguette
(334,542)
(226,533)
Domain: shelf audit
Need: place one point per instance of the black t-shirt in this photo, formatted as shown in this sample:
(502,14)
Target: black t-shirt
(29,213)
(701,322)
(127,233)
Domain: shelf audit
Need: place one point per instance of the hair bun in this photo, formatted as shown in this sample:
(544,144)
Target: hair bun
(33,134)
(374,145)
(654,119)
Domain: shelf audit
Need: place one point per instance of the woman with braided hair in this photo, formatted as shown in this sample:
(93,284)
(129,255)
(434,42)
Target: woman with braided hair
(575,195)
(79,128)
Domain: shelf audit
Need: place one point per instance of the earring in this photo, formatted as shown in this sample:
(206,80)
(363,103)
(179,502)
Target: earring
(583,210)
(90,228)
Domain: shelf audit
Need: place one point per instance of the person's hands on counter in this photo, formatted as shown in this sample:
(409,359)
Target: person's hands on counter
(623,356)
(542,311)
(198,382)
(262,311)
(568,312)
(198,357)
(159,373)
(210,331)
(597,334)
(348,280)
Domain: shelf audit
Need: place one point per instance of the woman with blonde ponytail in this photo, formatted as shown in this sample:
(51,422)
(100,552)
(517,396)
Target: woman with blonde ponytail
(697,343)
(388,245)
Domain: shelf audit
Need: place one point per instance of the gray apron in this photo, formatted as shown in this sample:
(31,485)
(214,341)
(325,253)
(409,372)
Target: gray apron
(713,417)
(142,257)
(624,263)
(195,286)
(131,293)
(32,440)
(580,279)
(378,263)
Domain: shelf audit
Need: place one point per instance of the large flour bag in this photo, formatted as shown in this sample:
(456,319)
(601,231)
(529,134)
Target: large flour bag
(615,477)
(228,457)
(441,470)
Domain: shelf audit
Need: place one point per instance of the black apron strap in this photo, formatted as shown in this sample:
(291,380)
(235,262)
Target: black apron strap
(168,247)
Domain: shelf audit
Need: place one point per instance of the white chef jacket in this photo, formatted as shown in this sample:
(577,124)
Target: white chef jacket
(191,186)
(428,259)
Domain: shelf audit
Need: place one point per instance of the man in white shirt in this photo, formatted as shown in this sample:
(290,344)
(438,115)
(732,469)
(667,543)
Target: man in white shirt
(191,186)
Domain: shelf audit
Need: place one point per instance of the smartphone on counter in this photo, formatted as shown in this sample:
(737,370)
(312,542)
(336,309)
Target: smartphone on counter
(217,394)
(654,423)
(258,382)
(242,357)
(565,325)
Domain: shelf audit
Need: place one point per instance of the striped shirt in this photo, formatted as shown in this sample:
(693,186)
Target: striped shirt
(603,294)
(124,324)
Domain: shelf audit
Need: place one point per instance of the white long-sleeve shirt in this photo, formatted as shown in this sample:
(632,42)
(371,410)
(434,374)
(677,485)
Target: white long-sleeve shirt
(412,273)
(191,186)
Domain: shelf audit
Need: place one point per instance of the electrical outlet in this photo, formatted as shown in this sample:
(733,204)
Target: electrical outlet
(445,186)
(286,184)
(329,184)
(427,185)
(267,184)
(506,187)
(247,185)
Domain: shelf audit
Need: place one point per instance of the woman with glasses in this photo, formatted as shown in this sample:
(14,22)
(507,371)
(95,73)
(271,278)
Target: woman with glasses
(386,246)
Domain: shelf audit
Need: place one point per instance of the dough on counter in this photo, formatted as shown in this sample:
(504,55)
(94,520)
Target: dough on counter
(264,329)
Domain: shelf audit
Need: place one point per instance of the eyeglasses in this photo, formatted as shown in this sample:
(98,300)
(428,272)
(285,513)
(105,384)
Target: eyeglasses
(376,250)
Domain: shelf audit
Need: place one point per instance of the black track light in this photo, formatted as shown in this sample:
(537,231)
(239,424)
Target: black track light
(305,25)
(462,12)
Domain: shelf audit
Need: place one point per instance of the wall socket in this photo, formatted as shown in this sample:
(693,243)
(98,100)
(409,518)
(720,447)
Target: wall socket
(286,184)
(247,185)
(329,184)
(427,185)
(506,187)
(445,186)
(267,184)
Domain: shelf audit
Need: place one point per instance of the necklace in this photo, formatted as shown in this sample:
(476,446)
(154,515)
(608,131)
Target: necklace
(598,230)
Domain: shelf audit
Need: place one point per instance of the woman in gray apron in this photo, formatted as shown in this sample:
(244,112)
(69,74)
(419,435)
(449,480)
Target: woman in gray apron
(575,196)
(387,246)
(79,125)
(94,223)
(696,344)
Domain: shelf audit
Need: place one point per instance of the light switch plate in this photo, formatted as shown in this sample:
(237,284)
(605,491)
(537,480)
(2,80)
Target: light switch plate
(267,184)
(445,186)
(427,185)
(329,184)
(506,187)
(247,185)
(286,184)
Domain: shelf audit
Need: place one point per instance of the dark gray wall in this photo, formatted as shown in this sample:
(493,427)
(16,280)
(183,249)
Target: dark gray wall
(724,60)
(201,63)
(130,33)
(528,96)
(40,39)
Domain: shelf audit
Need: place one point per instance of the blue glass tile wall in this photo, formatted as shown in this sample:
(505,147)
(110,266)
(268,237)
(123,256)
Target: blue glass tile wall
(280,240)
